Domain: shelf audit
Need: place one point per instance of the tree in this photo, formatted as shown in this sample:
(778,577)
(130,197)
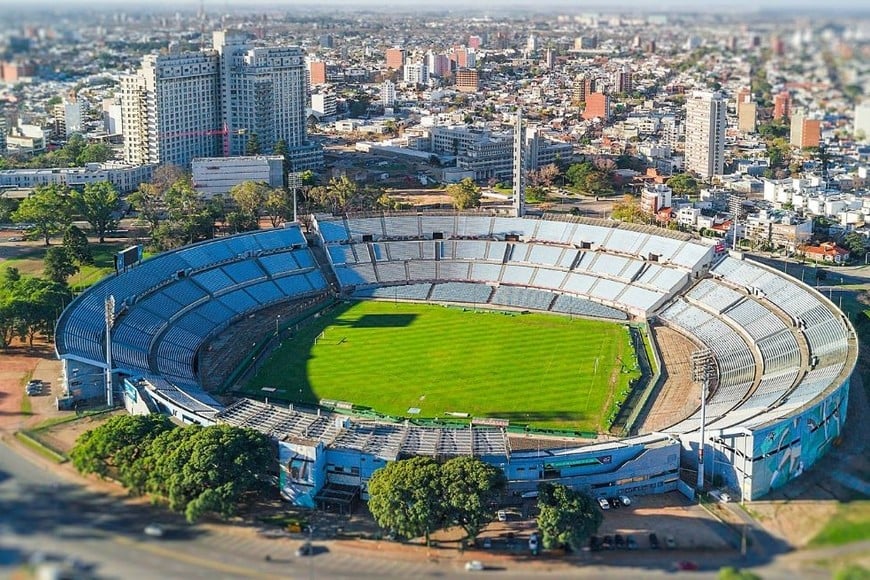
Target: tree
(59,264)
(98,203)
(279,205)
(577,172)
(148,201)
(465,194)
(75,242)
(282,150)
(470,487)
(405,497)
(628,210)
(567,517)
(683,184)
(46,210)
(114,446)
(252,147)
(731,573)
(94,153)
(250,196)
(7,208)
(855,243)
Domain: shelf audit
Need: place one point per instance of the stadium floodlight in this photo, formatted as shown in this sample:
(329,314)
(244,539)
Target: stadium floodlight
(703,368)
(110,322)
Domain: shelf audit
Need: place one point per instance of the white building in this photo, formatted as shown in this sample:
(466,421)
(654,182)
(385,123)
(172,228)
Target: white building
(218,175)
(862,121)
(324,104)
(170,110)
(73,111)
(705,133)
(112,123)
(655,197)
(125,178)
(388,93)
(416,73)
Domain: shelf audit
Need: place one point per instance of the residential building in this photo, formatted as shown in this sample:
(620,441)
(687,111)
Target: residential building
(218,175)
(781,105)
(170,109)
(705,133)
(70,116)
(826,252)
(467,80)
(2,134)
(597,107)
(324,104)
(777,229)
(112,114)
(388,93)
(416,73)
(395,58)
(622,80)
(746,117)
(655,197)
(317,72)
(805,132)
(438,64)
(125,178)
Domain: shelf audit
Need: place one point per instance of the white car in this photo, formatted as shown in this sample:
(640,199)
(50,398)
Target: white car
(603,503)
(724,497)
(625,500)
(154,530)
(502,515)
(533,542)
(474,566)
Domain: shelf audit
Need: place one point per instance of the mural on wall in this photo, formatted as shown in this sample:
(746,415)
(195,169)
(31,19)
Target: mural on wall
(783,451)
(301,472)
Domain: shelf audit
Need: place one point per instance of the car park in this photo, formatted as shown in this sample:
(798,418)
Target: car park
(603,503)
(653,541)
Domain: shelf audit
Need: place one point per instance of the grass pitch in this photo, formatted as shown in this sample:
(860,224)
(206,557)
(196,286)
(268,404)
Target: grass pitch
(543,370)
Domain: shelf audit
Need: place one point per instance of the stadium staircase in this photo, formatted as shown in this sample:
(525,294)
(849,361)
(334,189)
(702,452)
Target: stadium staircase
(324,264)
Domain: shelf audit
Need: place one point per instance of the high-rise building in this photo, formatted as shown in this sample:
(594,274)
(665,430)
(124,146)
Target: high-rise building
(438,64)
(705,133)
(467,80)
(862,121)
(264,91)
(170,109)
(179,106)
(316,72)
(805,132)
(388,93)
(395,58)
(324,103)
(475,41)
(2,134)
(781,105)
(416,73)
(597,106)
(622,80)
(550,58)
(73,114)
(112,115)
(746,117)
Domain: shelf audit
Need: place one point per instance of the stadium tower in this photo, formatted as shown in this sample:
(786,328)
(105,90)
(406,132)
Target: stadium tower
(519,166)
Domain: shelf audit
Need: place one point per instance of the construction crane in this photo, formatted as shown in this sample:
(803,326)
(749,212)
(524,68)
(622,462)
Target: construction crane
(223,132)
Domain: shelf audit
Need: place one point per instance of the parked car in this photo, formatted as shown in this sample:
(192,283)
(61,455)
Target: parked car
(653,541)
(630,543)
(670,542)
(305,549)
(487,543)
(687,565)
(474,566)
(625,500)
(502,516)
(603,503)
(607,543)
(594,543)
(533,543)
(154,530)
(614,502)
(619,541)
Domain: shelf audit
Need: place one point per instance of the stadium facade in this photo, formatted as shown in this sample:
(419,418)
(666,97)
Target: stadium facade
(783,353)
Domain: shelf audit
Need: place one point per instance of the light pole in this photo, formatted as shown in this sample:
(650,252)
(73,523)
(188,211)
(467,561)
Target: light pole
(702,369)
(277,322)
(110,321)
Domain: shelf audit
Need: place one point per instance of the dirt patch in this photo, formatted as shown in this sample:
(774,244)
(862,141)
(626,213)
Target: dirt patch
(678,397)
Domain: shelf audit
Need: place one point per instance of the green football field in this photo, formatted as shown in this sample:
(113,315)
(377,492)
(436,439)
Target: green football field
(426,361)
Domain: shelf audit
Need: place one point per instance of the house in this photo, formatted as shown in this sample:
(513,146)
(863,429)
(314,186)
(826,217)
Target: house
(826,252)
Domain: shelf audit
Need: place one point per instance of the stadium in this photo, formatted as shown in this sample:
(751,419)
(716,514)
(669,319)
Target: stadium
(777,360)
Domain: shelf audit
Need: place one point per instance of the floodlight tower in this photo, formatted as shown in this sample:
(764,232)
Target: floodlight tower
(110,321)
(703,368)
(519,166)
(294,182)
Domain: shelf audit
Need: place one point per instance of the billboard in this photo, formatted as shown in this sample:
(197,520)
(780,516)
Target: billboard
(127,257)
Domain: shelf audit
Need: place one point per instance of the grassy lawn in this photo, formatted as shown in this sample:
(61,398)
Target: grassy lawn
(543,370)
(31,263)
(850,524)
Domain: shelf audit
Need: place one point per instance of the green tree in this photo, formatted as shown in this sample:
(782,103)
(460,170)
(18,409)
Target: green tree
(465,194)
(577,172)
(282,150)
(567,517)
(112,448)
(628,210)
(94,153)
(852,572)
(207,470)
(149,203)
(683,184)
(470,488)
(7,208)
(278,206)
(46,210)
(252,146)
(59,264)
(75,242)
(99,204)
(406,497)
(856,244)
(250,196)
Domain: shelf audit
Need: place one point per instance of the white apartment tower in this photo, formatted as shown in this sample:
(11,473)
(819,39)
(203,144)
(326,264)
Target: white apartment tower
(705,133)
(388,93)
(170,110)
(263,92)
(180,106)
